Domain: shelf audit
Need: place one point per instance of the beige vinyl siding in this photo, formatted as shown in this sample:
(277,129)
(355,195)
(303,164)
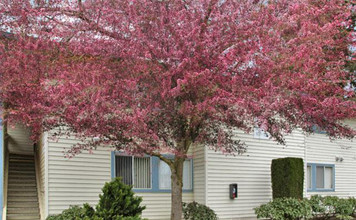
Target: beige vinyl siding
(158,205)
(251,171)
(321,150)
(79,180)
(199,174)
(19,140)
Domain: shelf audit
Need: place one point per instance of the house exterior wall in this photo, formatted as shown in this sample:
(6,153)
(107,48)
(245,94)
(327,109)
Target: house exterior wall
(323,151)
(19,141)
(251,171)
(79,180)
(199,174)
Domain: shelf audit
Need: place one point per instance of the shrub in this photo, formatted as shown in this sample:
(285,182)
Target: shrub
(287,177)
(328,207)
(317,205)
(285,209)
(196,211)
(353,203)
(75,213)
(117,201)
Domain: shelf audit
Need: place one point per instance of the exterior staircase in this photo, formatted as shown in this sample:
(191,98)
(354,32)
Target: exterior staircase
(22,198)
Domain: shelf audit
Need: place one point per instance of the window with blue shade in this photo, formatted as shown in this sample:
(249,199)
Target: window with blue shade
(320,177)
(148,174)
(317,130)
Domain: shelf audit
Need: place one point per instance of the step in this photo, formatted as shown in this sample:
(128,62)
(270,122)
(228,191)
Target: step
(19,204)
(30,172)
(21,160)
(21,184)
(22,199)
(22,181)
(22,194)
(22,210)
(22,174)
(21,169)
(22,217)
(25,189)
(22,165)
(24,177)
(21,155)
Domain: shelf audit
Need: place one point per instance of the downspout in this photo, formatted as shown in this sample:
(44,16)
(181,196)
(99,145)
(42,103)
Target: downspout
(46,146)
(305,167)
(2,168)
(206,175)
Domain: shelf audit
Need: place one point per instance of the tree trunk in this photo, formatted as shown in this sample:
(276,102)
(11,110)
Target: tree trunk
(177,185)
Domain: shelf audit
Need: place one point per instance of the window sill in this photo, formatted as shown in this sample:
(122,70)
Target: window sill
(159,190)
(321,190)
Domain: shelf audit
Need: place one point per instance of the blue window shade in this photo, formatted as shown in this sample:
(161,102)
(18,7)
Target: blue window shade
(155,175)
(322,177)
(317,130)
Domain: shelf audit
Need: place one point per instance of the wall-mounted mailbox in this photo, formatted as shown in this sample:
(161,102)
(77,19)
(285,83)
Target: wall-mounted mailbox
(233,191)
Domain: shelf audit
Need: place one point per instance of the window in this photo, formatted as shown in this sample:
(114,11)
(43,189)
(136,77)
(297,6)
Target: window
(260,133)
(317,130)
(148,174)
(165,175)
(134,171)
(321,177)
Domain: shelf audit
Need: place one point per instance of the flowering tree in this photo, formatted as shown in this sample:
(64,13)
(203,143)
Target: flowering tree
(151,77)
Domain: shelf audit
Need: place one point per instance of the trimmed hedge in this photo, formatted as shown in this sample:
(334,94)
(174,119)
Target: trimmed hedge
(287,177)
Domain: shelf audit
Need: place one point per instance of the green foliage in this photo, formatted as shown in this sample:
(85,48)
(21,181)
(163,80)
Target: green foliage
(116,203)
(285,209)
(352,200)
(75,213)
(317,207)
(196,211)
(330,206)
(287,177)
(118,199)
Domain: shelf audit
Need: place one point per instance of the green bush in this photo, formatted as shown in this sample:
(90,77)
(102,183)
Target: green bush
(287,177)
(285,209)
(196,211)
(75,213)
(332,206)
(116,203)
(353,203)
(118,200)
(317,207)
